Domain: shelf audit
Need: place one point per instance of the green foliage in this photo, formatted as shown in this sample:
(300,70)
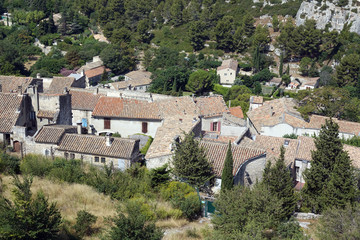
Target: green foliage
(145,148)
(281,67)
(159,176)
(353,141)
(131,223)
(9,164)
(236,91)
(200,81)
(291,136)
(117,58)
(280,183)
(227,177)
(347,73)
(163,80)
(275,23)
(183,197)
(338,223)
(285,79)
(36,165)
(219,89)
(27,217)
(263,75)
(190,162)
(84,222)
(70,171)
(330,181)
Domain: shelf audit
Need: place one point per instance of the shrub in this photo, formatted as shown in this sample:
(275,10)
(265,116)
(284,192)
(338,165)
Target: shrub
(67,170)
(9,164)
(159,176)
(190,206)
(84,221)
(36,165)
(144,149)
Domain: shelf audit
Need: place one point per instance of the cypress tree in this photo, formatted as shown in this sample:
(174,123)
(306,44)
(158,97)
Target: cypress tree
(330,175)
(190,162)
(280,183)
(256,60)
(281,67)
(227,179)
(288,70)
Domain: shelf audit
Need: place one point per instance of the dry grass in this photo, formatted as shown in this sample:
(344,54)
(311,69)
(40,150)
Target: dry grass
(71,198)
(171,223)
(190,231)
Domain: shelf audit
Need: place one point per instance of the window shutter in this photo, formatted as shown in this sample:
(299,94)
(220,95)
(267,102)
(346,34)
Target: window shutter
(144,127)
(107,123)
(211,126)
(219,126)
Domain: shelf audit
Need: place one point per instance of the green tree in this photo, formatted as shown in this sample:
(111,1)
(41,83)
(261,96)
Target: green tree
(305,65)
(227,177)
(286,79)
(223,33)
(28,217)
(275,23)
(132,224)
(261,37)
(200,81)
(348,72)
(328,162)
(256,60)
(84,222)
(279,181)
(117,58)
(190,162)
(281,67)
(196,35)
(105,76)
(257,88)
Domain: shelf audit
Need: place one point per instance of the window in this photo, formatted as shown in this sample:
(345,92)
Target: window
(102,160)
(66,155)
(32,115)
(230,73)
(297,172)
(72,155)
(214,126)
(96,159)
(47,152)
(144,127)
(107,124)
(286,143)
(225,74)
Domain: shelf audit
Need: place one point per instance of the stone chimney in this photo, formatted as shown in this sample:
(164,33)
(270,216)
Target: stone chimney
(38,75)
(20,90)
(0,88)
(66,91)
(79,127)
(108,139)
(96,91)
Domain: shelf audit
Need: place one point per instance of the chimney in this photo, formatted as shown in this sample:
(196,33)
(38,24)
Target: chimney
(38,75)
(83,72)
(36,98)
(20,90)
(108,139)
(66,91)
(79,127)
(96,91)
(0,88)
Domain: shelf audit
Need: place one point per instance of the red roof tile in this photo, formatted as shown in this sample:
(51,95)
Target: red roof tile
(82,100)
(237,112)
(10,107)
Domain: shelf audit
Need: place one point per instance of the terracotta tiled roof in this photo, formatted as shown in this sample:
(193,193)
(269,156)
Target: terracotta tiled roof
(47,114)
(256,99)
(344,126)
(58,84)
(52,134)
(275,112)
(83,100)
(96,71)
(237,112)
(125,108)
(273,144)
(211,106)
(306,145)
(276,80)
(10,106)
(10,84)
(354,154)
(133,83)
(134,75)
(96,145)
(229,63)
(216,154)
(311,81)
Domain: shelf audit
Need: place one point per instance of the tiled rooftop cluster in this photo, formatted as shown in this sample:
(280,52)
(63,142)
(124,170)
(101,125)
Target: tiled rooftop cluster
(10,105)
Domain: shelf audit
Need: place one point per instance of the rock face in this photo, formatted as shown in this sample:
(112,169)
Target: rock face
(329,13)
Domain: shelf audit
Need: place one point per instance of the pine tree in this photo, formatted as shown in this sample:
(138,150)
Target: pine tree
(280,183)
(281,67)
(190,163)
(227,179)
(330,175)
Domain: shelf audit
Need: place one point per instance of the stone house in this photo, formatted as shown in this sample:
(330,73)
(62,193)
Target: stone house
(126,116)
(249,161)
(58,84)
(227,71)
(275,82)
(93,76)
(255,102)
(100,150)
(16,118)
(298,154)
(12,84)
(309,83)
(134,81)
(83,103)
(279,117)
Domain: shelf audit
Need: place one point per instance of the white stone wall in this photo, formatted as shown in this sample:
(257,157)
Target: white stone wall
(227,76)
(251,171)
(126,127)
(206,123)
(158,161)
(232,130)
(278,130)
(300,167)
(78,115)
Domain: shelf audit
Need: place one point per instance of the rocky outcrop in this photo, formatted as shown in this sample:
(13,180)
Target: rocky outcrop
(328,13)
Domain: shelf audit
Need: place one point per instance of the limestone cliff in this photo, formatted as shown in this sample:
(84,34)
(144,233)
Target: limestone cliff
(331,14)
